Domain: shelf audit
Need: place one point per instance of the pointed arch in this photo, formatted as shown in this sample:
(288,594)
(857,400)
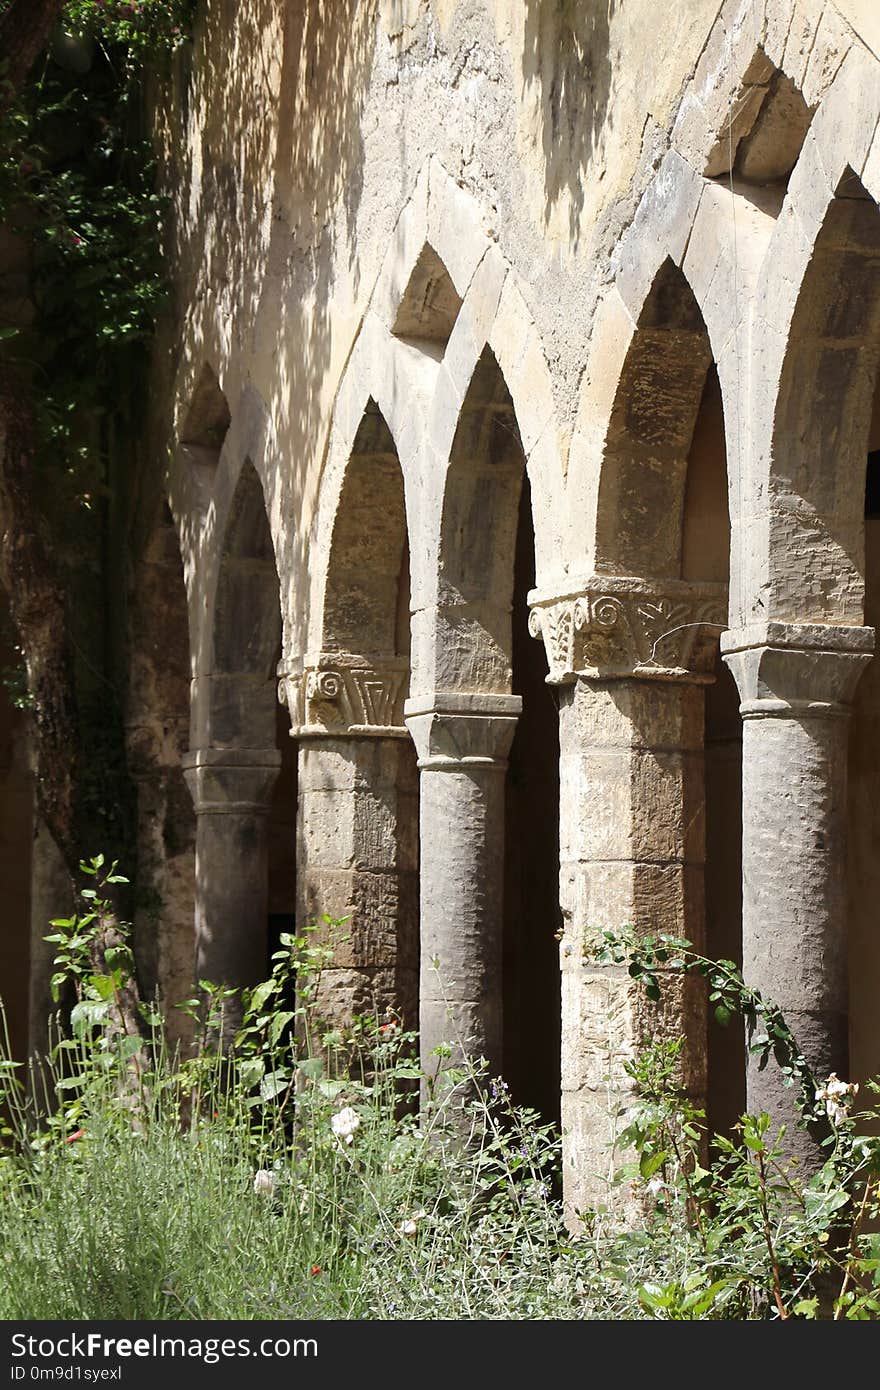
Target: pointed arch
(366,596)
(246,624)
(821,419)
(644,469)
(473,647)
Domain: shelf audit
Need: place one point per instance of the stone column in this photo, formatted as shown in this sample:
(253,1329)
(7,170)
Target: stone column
(357,830)
(796,682)
(462,742)
(231,791)
(631,658)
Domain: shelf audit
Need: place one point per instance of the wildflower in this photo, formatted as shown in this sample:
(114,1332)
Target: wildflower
(316,1270)
(77,1134)
(344,1124)
(838,1096)
(264,1183)
(388,1030)
(655,1185)
(409,1227)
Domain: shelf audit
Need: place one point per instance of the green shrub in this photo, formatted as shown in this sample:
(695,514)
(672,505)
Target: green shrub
(290,1174)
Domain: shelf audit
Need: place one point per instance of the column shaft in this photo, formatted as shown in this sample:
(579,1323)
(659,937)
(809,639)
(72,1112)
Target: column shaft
(231,792)
(796,683)
(462,912)
(794,893)
(462,741)
(632,849)
(357,841)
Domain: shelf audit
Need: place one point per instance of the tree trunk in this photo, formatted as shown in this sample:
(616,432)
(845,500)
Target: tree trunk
(38,609)
(25,28)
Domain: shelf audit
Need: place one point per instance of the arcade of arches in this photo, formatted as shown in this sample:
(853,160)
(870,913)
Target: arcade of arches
(523,555)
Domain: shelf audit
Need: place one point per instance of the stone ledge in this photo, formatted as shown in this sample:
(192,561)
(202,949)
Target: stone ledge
(825,637)
(455,730)
(797,670)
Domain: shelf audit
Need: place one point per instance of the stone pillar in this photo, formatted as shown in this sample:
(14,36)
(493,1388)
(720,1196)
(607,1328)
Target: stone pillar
(462,742)
(796,682)
(231,790)
(357,830)
(631,659)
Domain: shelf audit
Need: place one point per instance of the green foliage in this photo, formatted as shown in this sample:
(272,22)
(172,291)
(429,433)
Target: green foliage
(140,28)
(281,1169)
(752,1235)
(77,188)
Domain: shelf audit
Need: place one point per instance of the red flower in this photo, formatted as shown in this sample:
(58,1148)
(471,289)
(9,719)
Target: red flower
(316,1269)
(77,1134)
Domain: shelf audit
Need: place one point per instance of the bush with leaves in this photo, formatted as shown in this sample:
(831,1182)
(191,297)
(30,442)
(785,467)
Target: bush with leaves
(753,1235)
(287,1172)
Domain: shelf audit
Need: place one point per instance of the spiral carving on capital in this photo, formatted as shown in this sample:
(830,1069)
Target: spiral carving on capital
(618,627)
(340,693)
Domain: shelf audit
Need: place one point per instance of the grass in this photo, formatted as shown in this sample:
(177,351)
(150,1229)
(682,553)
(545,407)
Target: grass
(153,1215)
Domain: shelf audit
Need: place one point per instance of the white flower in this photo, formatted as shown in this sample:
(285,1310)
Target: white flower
(344,1124)
(264,1183)
(838,1096)
(656,1185)
(410,1226)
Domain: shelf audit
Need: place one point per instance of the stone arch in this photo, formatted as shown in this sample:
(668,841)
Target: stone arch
(366,603)
(644,471)
(246,624)
(439,222)
(741,98)
(820,422)
(382,381)
(207,418)
(357,832)
(687,264)
(475,572)
(233,772)
(498,953)
(444,228)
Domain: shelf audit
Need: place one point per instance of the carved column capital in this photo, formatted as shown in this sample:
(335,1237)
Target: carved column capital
(612,627)
(231,781)
(341,695)
(797,670)
(453,731)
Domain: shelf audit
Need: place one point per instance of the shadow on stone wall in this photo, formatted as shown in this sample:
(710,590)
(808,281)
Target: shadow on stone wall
(328,58)
(263,156)
(566,61)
